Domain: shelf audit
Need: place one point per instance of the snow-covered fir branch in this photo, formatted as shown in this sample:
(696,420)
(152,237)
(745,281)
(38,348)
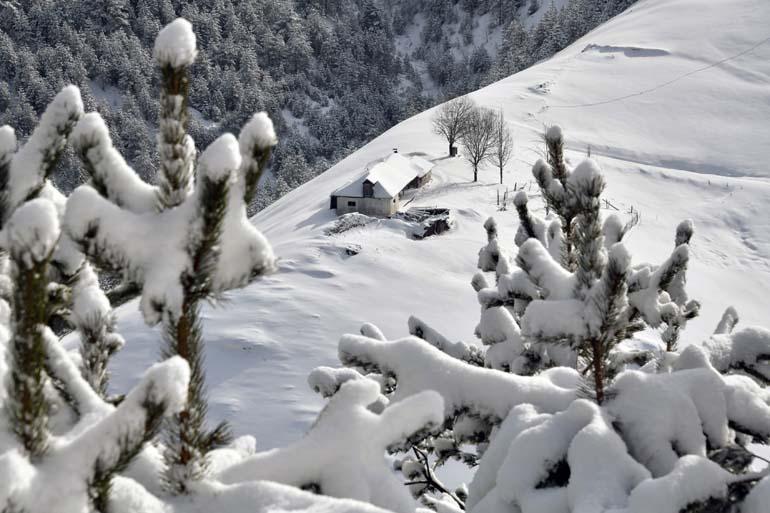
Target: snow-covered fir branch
(195,243)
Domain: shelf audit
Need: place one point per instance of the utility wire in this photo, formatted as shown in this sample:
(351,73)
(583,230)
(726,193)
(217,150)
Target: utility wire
(664,84)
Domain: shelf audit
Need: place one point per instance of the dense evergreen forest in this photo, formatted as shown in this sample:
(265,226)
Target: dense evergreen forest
(332,73)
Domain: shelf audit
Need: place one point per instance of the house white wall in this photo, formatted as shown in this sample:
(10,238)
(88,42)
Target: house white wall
(368,206)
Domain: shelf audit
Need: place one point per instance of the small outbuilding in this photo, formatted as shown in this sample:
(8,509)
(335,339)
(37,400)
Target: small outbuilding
(379,190)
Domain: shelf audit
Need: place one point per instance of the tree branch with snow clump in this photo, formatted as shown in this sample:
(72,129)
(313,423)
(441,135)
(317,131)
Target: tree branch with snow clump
(82,303)
(251,497)
(103,440)
(497,328)
(196,241)
(546,455)
(328,380)
(96,448)
(30,236)
(746,350)
(33,163)
(466,352)
(652,420)
(174,52)
(343,453)
(403,358)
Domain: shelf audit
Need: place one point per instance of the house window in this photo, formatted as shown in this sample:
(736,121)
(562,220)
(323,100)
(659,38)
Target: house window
(351,203)
(368,189)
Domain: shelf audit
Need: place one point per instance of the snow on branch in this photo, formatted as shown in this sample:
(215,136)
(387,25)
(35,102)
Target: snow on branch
(328,380)
(186,240)
(23,180)
(418,366)
(343,455)
(460,350)
(60,366)
(101,444)
(552,462)
(93,318)
(110,174)
(111,234)
(34,161)
(252,497)
(31,234)
(745,350)
(649,444)
(175,44)
(256,140)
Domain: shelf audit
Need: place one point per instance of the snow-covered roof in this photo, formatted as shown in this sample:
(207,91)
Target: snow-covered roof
(389,176)
(421,165)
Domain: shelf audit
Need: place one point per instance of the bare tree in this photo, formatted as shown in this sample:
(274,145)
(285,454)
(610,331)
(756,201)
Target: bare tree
(502,148)
(451,119)
(478,137)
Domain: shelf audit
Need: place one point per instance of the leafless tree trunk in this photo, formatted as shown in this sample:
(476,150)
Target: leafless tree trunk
(502,149)
(478,138)
(451,119)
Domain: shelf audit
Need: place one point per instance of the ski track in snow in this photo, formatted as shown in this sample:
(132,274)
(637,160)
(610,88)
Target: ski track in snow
(695,149)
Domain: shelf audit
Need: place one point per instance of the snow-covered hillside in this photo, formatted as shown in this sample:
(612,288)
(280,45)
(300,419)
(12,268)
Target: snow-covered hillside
(672,97)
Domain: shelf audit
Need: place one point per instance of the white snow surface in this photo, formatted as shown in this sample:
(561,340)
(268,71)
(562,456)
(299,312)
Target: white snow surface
(688,139)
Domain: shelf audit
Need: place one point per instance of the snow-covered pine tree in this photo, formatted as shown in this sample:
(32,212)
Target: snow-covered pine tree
(592,279)
(512,55)
(556,198)
(196,241)
(541,442)
(66,436)
(79,299)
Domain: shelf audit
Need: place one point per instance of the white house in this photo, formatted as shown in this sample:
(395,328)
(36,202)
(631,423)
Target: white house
(379,190)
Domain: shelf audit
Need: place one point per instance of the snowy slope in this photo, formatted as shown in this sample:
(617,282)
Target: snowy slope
(676,135)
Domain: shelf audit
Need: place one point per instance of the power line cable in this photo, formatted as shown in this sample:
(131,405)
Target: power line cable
(664,84)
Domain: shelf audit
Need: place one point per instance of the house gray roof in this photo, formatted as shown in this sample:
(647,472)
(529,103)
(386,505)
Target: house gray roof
(389,176)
